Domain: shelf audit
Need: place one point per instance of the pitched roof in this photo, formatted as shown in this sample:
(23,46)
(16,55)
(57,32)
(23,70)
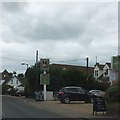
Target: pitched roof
(99,65)
(80,68)
(0,76)
(14,77)
(5,76)
(109,64)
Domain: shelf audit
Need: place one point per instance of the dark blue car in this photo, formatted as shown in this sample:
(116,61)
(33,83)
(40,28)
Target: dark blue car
(73,93)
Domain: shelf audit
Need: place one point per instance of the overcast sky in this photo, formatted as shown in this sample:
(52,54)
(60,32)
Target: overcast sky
(66,33)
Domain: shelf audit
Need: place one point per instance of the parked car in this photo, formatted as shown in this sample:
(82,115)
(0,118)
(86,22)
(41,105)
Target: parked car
(20,93)
(97,93)
(17,91)
(73,93)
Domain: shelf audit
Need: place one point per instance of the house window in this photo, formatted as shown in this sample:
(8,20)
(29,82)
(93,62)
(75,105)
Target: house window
(106,72)
(16,81)
(12,81)
(96,73)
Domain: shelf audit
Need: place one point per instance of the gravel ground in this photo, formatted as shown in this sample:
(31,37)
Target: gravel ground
(72,110)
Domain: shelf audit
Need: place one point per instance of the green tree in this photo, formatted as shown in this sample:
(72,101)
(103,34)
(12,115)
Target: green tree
(31,83)
(73,77)
(22,78)
(112,93)
(5,87)
(69,77)
(55,79)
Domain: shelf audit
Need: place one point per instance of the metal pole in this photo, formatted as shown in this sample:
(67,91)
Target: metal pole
(27,66)
(44,92)
(87,68)
(36,70)
(45,96)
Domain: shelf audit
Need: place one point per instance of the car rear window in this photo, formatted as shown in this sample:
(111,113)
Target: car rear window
(72,90)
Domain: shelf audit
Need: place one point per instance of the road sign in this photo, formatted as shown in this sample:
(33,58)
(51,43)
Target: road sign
(116,62)
(44,65)
(44,79)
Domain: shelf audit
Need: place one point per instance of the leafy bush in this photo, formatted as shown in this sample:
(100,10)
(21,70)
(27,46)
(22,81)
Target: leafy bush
(28,90)
(5,87)
(112,94)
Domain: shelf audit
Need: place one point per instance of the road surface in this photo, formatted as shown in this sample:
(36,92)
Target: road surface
(17,108)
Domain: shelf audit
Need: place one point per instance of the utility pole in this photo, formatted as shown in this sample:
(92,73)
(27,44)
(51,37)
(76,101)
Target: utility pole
(96,59)
(36,70)
(44,76)
(87,59)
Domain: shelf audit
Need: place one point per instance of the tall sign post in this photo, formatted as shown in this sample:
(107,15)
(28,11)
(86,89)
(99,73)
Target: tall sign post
(44,74)
(87,59)
(37,71)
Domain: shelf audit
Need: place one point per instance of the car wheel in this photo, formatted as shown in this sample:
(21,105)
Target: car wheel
(66,100)
(86,101)
(61,101)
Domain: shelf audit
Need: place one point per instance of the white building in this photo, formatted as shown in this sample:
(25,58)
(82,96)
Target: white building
(14,82)
(102,72)
(98,70)
(106,70)
(1,82)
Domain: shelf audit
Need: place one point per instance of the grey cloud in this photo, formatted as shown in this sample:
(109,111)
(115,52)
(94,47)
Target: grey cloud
(59,28)
(42,29)
(62,26)
(13,6)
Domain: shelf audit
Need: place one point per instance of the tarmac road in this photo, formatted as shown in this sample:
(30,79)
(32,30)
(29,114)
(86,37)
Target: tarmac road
(21,107)
(17,108)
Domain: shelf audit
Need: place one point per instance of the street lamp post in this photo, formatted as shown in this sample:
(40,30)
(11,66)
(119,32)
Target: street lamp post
(25,64)
(25,79)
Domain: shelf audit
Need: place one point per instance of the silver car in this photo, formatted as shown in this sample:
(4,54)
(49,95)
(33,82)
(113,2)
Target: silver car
(97,92)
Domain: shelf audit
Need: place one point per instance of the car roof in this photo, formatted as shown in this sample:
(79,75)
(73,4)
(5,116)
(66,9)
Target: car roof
(94,90)
(72,87)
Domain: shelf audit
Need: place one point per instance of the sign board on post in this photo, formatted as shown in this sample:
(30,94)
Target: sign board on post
(44,74)
(44,65)
(44,79)
(116,62)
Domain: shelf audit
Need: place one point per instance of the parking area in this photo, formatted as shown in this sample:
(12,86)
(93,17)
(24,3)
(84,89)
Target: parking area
(72,110)
(77,109)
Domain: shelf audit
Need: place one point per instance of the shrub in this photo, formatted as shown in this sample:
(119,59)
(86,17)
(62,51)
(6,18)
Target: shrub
(5,87)
(112,94)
